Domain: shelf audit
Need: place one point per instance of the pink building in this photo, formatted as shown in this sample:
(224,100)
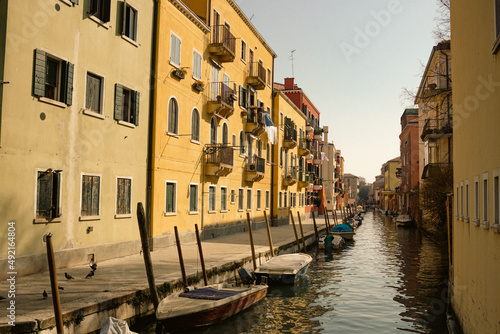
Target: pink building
(409,161)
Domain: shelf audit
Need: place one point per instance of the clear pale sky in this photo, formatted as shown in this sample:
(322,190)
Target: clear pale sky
(353,58)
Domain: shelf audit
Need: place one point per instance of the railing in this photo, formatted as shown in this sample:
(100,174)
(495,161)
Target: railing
(220,91)
(437,128)
(219,154)
(256,115)
(260,164)
(291,173)
(305,144)
(290,133)
(305,177)
(256,69)
(222,35)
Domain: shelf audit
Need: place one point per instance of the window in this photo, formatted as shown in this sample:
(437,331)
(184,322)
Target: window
(249,198)
(461,199)
(258,199)
(195,125)
(267,200)
(249,146)
(193,198)
(280,200)
(126,105)
(259,148)
(175,50)
(196,65)
(123,196)
(223,199)
(281,156)
(243,51)
(284,199)
(225,134)
(91,195)
(233,196)
(170,197)
(281,120)
(53,78)
(242,143)
(234,140)
(476,198)
(94,93)
(213,131)
(269,77)
(497,25)
(240,199)
(211,198)
(496,198)
(242,101)
(100,9)
(458,203)
(173,117)
(129,26)
(268,154)
(467,200)
(48,195)
(485,197)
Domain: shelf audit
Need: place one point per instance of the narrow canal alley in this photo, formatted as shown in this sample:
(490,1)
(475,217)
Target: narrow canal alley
(388,279)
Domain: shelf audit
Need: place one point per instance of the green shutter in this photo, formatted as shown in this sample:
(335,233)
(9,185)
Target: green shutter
(67,93)
(169,202)
(39,73)
(75,2)
(135,104)
(56,184)
(118,102)
(44,195)
(124,18)
(106,11)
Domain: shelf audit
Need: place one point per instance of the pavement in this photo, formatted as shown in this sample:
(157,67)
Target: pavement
(116,282)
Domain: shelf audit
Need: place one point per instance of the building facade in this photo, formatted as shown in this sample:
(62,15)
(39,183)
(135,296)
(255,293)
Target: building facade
(329,171)
(409,140)
(390,200)
(475,217)
(351,183)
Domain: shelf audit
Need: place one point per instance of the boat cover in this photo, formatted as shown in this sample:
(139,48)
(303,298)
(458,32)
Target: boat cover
(210,293)
(342,228)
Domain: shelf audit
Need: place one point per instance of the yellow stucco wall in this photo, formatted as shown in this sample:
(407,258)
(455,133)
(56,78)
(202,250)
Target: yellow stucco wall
(36,135)
(476,241)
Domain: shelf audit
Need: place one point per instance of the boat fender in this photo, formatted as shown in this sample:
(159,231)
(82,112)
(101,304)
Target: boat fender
(189,288)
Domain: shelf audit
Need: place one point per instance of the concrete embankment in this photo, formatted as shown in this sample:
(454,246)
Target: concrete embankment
(119,287)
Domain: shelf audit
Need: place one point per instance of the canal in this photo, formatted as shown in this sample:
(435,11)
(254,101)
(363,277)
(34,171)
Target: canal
(387,280)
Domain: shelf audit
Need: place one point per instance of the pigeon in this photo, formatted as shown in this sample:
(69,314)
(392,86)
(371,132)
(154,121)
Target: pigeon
(45,294)
(90,274)
(93,265)
(68,276)
(60,287)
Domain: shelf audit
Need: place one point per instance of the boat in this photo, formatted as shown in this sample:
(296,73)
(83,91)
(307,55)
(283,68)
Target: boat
(403,220)
(344,230)
(198,307)
(335,243)
(284,269)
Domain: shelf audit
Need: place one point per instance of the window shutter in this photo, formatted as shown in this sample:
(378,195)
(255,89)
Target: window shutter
(106,11)
(67,93)
(44,195)
(118,102)
(124,20)
(135,104)
(93,7)
(39,73)
(56,182)
(169,207)
(75,2)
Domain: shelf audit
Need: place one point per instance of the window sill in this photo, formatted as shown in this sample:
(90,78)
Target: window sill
(85,218)
(127,124)
(258,209)
(193,212)
(485,225)
(212,211)
(53,102)
(167,214)
(223,211)
(98,21)
(195,142)
(47,221)
(466,219)
(93,114)
(67,2)
(177,66)
(496,46)
(495,228)
(173,135)
(240,210)
(131,41)
(475,222)
(120,216)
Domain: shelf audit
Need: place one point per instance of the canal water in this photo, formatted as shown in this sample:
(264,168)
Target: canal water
(387,280)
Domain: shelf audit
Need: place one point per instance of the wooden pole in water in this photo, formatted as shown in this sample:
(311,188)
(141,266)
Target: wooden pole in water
(269,239)
(326,223)
(302,232)
(143,231)
(327,218)
(200,250)
(295,232)
(181,259)
(315,227)
(53,285)
(251,241)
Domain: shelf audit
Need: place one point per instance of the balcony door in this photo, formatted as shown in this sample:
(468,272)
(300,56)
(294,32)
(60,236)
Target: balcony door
(215,83)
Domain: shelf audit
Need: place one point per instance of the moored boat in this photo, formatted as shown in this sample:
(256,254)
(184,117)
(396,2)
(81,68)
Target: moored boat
(284,269)
(332,242)
(344,230)
(403,220)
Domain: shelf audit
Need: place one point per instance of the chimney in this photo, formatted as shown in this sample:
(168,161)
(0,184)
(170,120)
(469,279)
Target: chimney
(289,83)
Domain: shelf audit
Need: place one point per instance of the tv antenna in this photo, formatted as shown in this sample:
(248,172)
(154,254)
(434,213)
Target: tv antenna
(291,57)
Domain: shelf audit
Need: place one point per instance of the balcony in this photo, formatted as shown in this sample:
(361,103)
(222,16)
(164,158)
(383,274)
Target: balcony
(218,160)
(222,44)
(255,121)
(255,169)
(317,158)
(256,76)
(434,129)
(318,184)
(318,133)
(221,99)
(434,169)
(309,128)
(290,177)
(305,180)
(304,147)
(290,140)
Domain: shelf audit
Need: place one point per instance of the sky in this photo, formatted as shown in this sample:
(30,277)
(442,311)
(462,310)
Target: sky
(352,58)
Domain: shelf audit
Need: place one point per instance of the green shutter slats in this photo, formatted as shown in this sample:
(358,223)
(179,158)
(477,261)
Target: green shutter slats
(106,14)
(68,91)
(93,7)
(56,182)
(135,104)
(39,73)
(44,195)
(118,115)
(74,2)
(124,19)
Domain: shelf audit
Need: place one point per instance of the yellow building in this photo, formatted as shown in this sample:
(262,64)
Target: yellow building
(74,114)
(212,156)
(475,230)
(390,197)
(291,178)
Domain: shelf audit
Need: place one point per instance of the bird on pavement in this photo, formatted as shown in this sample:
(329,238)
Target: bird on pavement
(68,276)
(93,265)
(44,294)
(60,287)
(90,274)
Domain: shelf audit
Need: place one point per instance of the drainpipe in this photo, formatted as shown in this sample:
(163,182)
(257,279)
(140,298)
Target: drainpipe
(273,94)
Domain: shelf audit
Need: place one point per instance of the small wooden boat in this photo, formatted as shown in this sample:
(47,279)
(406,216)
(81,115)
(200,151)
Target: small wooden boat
(344,230)
(403,220)
(284,269)
(208,305)
(336,242)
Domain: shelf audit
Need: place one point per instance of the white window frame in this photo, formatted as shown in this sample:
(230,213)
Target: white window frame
(280,200)
(197,68)
(90,112)
(98,217)
(486,197)
(233,196)
(467,191)
(176,133)
(44,220)
(243,51)
(241,199)
(197,211)
(199,126)
(249,199)
(496,199)
(214,209)
(225,202)
(258,199)
(268,199)
(126,215)
(125,37)
(477,202)
(172,62)
(174,213)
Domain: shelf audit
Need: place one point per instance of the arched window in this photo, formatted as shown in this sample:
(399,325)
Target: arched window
(249,146)
(242,143)
(195,125)
(173,116)
(213,131)
(259,149)
(225,134)
(281,156)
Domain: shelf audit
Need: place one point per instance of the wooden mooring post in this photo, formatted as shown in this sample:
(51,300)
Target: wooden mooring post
(302,232)
(53,285)
(181,259)
(200,250)
(249,222)
(315,227)
(295,231)
(269,239)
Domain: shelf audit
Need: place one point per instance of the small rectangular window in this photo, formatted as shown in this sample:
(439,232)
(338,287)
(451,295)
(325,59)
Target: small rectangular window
(233,196)
(100,9)
(170,197)
(52,78)
(211,198)
(258,199)
(241,198)
(193,198)
(267,200)
(223,199)
(91,195)
(196,65)
(243,51)
(123,196)
(129,28)
(476,199)
(285,199)
(126,105)
(497,200)
(280,200)
(485,198)
(93,93)
(467,199)
(461,200)
(269,77)
(48,195)
(175,50)
(249,198)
